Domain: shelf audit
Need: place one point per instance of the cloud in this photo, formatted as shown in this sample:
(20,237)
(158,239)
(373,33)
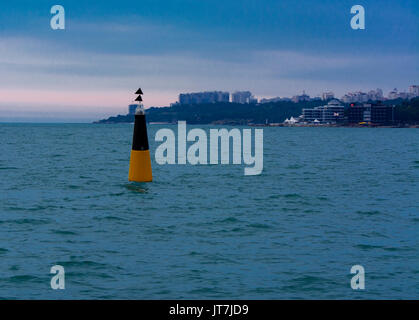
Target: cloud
(97,65)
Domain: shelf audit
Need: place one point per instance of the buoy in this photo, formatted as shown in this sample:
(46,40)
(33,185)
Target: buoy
(140,161)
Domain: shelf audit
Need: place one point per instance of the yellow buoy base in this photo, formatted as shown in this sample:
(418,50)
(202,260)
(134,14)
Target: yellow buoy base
(140,166)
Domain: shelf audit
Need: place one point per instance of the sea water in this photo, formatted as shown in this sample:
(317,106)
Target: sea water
(327,199)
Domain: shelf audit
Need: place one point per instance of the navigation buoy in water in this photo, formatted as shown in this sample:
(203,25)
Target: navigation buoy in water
(140,161)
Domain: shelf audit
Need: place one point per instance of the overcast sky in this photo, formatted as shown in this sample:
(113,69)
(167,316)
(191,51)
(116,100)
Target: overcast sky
(272,48)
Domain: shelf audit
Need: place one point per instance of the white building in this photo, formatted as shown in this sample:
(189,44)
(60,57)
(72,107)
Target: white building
(292,120)
(359,96)
(331,113)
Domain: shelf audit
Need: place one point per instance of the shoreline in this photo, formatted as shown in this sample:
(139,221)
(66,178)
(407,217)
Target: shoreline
(399,126)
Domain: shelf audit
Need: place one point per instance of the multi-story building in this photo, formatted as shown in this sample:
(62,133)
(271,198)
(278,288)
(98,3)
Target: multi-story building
(393,94)
(223,96)
(312,114)
(253,100)
(328,95)
(241,97)
(371,113)
(300,98)
(360,97)
(414,91)
(347,98)
(333,112)
(403,95)
(204,97)
(375,95)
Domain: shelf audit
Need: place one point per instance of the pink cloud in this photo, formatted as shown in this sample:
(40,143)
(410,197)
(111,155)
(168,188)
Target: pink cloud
(78,100)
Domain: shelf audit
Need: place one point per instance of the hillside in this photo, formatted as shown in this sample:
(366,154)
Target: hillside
(406,111)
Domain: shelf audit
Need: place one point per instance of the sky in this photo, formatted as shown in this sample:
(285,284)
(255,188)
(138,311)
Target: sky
(108,49)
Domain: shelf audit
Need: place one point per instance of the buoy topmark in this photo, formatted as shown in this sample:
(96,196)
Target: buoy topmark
(140,161)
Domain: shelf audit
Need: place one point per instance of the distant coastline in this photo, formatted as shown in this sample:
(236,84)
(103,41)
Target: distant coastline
(406,114)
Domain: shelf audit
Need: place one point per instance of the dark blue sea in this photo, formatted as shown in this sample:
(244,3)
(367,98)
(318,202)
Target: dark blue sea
(328,199)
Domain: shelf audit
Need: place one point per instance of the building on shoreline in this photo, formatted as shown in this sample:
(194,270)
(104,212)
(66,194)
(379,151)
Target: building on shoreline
(333,112)
(292,120)
(371,114)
